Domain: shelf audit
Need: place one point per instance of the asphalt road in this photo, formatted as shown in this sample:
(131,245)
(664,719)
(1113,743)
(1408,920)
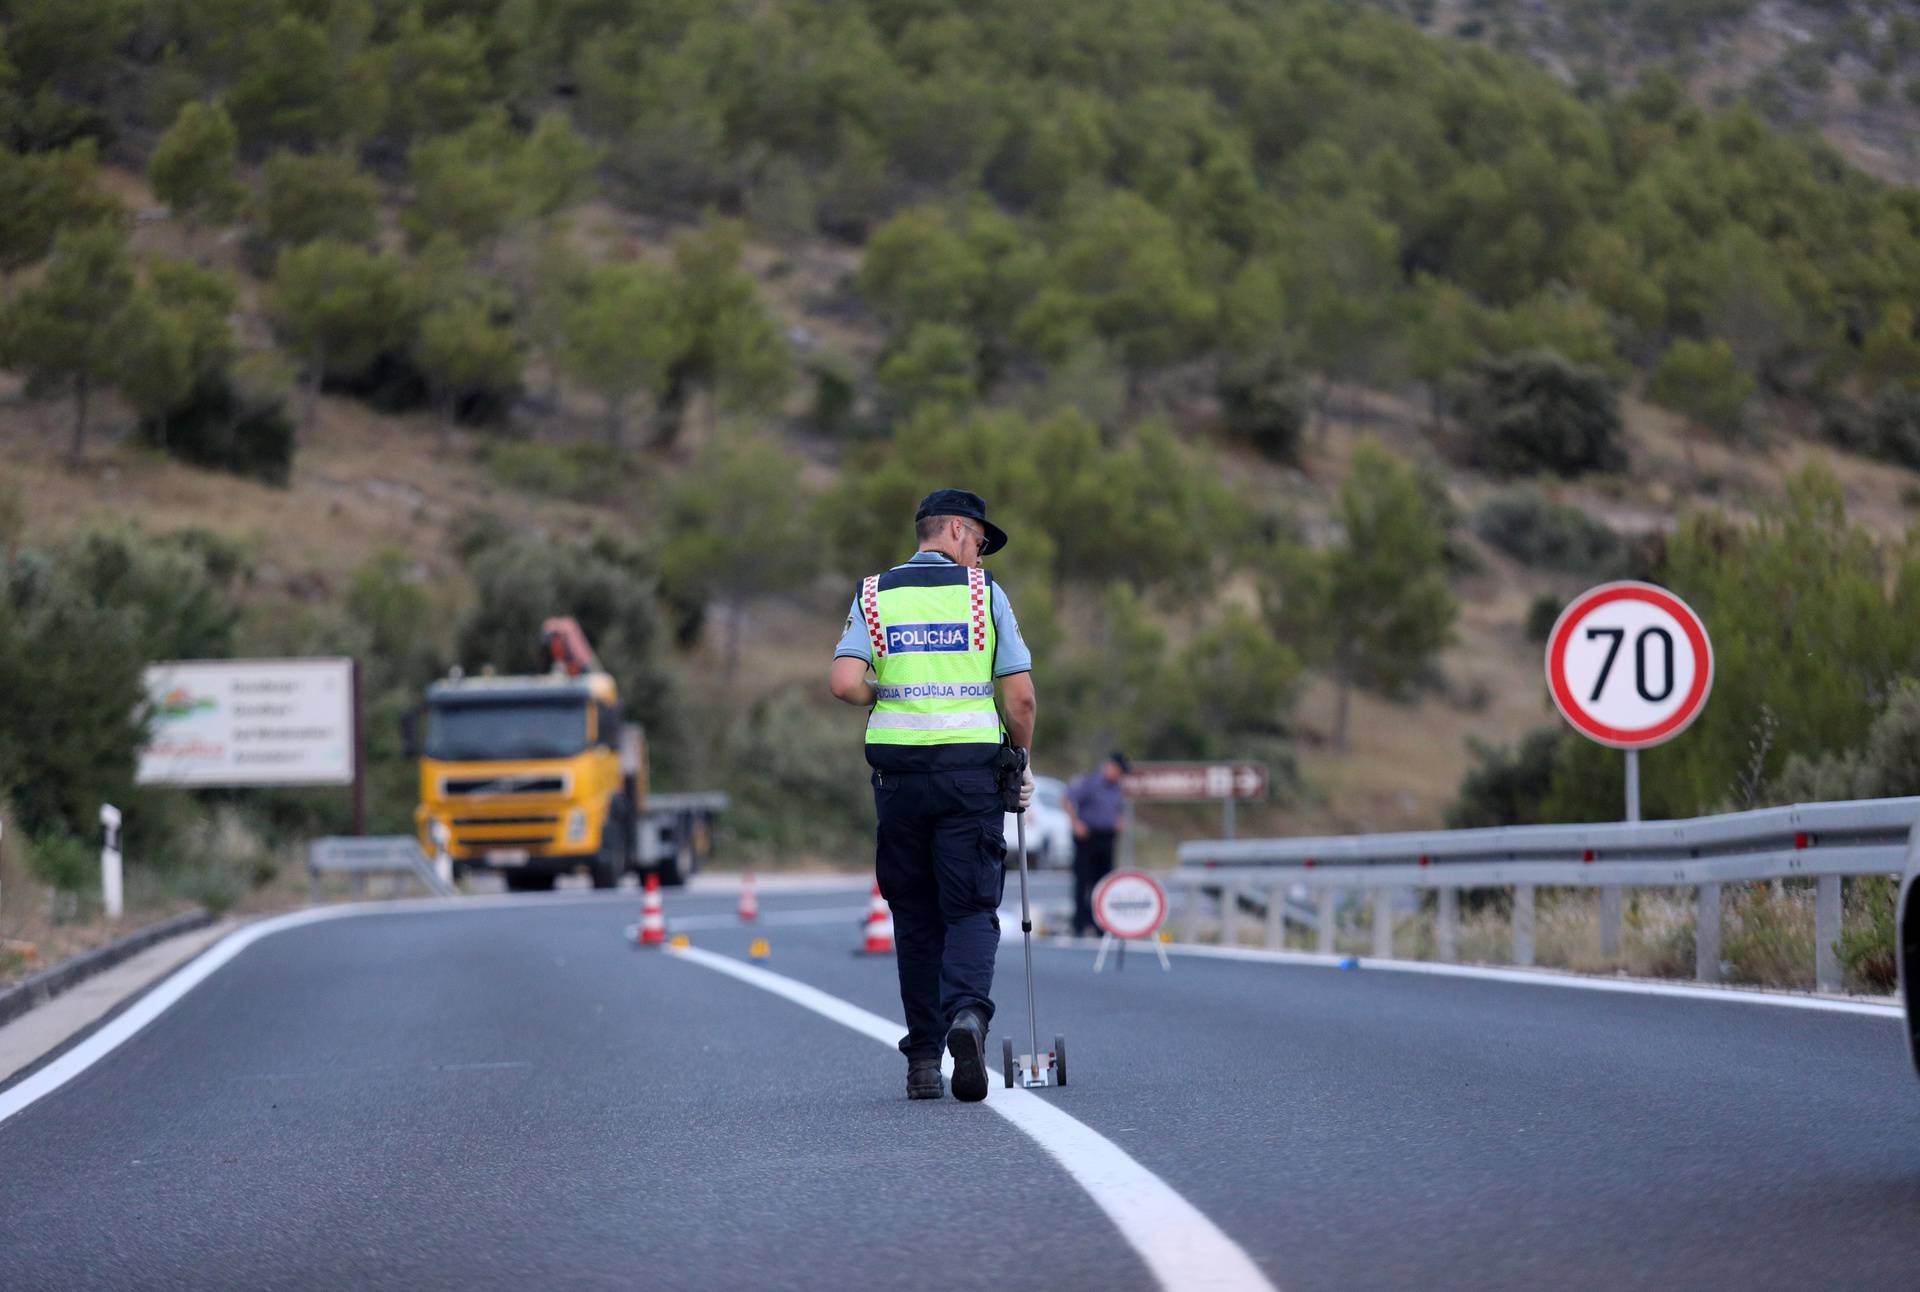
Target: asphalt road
(513,1096)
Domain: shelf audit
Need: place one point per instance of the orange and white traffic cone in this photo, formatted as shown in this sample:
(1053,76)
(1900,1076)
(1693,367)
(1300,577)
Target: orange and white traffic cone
(653,917)
(749,904)
(879,926)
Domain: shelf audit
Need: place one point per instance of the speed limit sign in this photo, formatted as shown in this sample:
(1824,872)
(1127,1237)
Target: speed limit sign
(1629,665)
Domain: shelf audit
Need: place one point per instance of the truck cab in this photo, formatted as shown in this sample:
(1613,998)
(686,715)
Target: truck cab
(524,776)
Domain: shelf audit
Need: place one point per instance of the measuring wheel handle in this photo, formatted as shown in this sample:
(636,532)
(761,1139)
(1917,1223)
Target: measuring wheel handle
(1006,1062)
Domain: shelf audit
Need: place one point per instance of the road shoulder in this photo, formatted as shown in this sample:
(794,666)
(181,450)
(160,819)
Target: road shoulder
(45,1028)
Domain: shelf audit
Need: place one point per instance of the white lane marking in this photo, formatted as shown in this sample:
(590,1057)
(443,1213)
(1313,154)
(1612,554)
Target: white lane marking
(1535,978)
(1181,1247)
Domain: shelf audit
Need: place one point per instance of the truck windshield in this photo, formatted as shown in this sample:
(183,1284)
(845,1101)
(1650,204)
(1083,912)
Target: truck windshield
(506,730)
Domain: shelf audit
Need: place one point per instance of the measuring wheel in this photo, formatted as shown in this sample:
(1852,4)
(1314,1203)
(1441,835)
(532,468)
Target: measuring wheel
(1006,1062)
(1059,1060)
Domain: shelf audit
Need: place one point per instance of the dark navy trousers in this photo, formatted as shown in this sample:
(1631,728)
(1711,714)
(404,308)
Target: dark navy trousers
(941,868)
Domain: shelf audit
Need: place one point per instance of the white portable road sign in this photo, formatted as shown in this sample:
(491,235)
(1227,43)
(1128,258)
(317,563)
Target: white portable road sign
(1128,905)
(250,722)
(1629,665)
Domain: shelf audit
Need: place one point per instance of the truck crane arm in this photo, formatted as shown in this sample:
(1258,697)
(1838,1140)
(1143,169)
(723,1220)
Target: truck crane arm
(567,648)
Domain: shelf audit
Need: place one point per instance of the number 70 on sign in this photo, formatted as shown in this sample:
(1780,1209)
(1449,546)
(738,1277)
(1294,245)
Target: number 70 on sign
(1629,664)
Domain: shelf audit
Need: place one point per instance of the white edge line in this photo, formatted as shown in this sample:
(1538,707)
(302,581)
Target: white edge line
(1181,1247)
(122,1027)
(1528,977)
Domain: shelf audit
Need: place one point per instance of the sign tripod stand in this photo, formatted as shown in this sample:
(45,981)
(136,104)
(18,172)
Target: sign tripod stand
(1108,942)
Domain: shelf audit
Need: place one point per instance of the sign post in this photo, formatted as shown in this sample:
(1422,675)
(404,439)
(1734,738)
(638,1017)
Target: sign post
(1128,905)
(1629,665)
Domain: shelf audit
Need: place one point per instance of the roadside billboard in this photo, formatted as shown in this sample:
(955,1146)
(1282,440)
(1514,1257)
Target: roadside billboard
(250,722)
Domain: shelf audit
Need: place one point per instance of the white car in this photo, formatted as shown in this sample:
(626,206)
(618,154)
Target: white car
(1049,828)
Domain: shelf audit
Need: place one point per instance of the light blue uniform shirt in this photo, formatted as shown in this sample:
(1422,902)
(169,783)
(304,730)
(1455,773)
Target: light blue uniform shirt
(1010,654)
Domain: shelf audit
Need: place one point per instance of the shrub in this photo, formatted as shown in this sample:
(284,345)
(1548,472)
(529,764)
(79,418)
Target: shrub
(802,782)
(1769,939)
(1264,405)
(1866,946)
(221,429)
(1535,412)
(1888,429)
(1705,381)
(1548,535)
(1508,784)
(1542,613)
(578,472)
(836,398)
(66,863)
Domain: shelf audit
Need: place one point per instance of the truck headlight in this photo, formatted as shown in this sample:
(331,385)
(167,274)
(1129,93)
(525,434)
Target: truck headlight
(577,826)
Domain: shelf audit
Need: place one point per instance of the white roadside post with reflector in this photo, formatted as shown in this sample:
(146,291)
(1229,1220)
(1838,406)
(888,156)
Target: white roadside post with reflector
(1629,665)
(1128,905)
(112,883)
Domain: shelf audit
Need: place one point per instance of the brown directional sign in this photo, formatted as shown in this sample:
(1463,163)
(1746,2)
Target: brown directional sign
(1195,782)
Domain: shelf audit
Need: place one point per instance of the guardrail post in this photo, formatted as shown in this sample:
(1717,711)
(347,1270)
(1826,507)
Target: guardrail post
(1276,918)
(1610,920)
(1383,924)
(1445,924)
(1229,917)
(1706,933)
(1329,907)
(1826,932)
(1523,924)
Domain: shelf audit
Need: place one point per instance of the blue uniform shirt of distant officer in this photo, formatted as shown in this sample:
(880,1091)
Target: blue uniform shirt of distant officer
(946,642)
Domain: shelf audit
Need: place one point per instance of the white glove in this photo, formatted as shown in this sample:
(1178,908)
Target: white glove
(1026,788)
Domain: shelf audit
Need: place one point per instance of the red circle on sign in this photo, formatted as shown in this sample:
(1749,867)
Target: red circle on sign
(1568,703)
(1127,885)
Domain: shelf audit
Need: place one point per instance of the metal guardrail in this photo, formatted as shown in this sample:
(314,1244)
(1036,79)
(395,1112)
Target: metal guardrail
(398,855)
(1823,841)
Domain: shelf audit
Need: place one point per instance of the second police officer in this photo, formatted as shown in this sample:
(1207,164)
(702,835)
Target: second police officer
(940,636)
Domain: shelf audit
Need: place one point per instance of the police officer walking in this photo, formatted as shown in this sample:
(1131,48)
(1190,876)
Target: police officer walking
(939,633)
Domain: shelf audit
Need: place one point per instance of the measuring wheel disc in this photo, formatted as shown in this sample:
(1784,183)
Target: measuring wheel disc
(1059,1060)
(1006,1062)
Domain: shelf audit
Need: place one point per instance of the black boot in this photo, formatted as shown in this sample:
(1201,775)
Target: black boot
(924,1080)
(967,1043)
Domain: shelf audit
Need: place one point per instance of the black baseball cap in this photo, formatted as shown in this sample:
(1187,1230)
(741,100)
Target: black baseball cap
(959,502)
(1117,757)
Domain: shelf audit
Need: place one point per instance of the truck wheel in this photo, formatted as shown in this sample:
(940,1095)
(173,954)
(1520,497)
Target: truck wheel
(521,882)
(610,861)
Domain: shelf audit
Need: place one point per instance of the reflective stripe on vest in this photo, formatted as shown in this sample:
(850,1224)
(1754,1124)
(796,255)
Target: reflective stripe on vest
(933,660)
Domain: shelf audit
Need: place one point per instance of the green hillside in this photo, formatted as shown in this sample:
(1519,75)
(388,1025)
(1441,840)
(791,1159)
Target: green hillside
(1307,356)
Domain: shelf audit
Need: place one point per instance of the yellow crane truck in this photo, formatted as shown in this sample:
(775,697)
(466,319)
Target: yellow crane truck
(535,776)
